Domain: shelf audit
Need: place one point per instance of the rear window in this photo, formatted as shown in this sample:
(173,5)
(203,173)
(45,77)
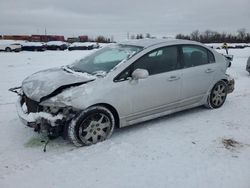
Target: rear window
(196,55)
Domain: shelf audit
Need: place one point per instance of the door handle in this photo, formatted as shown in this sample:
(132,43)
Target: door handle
(209,71)
(173,78)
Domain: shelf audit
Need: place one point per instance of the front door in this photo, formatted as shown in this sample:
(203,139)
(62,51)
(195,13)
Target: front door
(160,90)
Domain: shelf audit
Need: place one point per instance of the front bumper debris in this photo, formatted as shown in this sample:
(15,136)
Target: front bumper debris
(17,90)
(33,119)
(52,121)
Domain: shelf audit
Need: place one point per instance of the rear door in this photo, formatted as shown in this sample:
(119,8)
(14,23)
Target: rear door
(199,68)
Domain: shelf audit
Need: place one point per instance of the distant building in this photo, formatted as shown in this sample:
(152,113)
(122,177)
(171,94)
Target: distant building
(46,38)
(83,38)
(34,38)
(16,37)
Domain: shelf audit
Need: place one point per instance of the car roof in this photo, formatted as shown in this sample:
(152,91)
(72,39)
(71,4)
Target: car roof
(145,43)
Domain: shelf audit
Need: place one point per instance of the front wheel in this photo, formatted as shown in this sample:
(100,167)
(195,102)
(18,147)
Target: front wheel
(7,49)
(217,95)
(93,125)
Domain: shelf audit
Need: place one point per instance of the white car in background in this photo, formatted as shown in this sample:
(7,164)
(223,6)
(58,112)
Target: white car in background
(9,46)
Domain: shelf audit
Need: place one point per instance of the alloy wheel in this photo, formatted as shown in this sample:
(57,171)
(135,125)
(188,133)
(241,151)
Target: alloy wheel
(95,128)
(219,94)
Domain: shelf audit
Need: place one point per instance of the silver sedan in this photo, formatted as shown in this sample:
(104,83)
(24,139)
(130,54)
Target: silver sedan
(120,85)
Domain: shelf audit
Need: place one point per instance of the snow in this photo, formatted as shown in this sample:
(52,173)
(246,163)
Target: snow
(8,42)
(57,43)
(185,149)
(75,44)
(80,74)
(233,45)
(33,117)
(32,44)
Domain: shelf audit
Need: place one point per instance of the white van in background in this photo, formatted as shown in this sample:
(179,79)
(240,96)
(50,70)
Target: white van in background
(9,46)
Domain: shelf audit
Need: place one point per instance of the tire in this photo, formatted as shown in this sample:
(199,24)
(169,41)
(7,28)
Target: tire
(91,126)
(7,49)
(218,95)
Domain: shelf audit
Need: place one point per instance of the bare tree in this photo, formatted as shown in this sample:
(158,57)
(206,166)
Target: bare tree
(210,36)
(195,35)
(241,33)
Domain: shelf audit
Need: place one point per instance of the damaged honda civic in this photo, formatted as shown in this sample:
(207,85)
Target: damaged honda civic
(120,85)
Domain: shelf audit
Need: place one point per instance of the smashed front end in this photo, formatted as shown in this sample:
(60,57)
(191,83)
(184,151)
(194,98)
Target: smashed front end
(49,120)
(34,106)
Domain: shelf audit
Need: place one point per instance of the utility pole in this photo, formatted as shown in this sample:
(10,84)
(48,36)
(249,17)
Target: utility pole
(45,32)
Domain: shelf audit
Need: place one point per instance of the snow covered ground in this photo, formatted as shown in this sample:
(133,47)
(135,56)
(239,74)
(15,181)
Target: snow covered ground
(187,149)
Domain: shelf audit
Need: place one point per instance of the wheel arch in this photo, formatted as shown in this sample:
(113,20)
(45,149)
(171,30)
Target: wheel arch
(207,98)
(225,80)
(8,47)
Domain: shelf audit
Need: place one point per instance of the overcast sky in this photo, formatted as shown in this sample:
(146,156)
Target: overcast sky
(117,17)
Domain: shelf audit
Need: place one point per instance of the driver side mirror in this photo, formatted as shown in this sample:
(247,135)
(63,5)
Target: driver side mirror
(140,74)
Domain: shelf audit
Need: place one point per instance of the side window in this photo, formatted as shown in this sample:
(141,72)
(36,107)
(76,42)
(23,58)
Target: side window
(155,62)
(156,53)
(194,56)
(124,75)
(158,61)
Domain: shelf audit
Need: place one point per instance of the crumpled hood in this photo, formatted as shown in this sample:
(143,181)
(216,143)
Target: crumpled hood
(46,82)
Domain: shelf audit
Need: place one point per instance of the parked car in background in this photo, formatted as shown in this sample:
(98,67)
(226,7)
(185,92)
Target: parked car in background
(33,46)
(83,46)
(9,46)
(56,45)
(248,65)
(120,85)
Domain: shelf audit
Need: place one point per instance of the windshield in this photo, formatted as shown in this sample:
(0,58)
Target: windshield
(104,60)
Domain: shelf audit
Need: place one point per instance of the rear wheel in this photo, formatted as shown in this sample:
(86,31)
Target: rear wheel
(93,125)
(218,95)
